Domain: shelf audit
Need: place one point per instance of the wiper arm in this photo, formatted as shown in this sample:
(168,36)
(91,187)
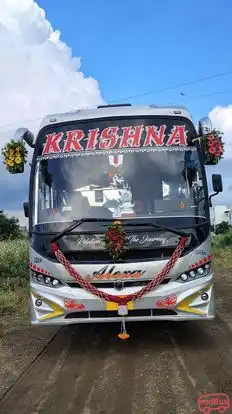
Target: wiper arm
(160,227)
(174,230)
(195,226)
(75,224)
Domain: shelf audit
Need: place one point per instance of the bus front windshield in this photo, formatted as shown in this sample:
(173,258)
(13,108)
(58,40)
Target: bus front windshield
(155,183)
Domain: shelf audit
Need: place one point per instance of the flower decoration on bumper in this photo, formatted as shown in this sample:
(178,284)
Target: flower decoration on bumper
(14,156)
(115,240)
(213,147)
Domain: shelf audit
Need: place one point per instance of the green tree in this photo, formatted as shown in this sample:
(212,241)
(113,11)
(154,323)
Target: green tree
(222,227)
(9,227)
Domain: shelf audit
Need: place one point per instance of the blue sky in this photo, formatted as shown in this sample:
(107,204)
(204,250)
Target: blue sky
(134,46)
(129,47)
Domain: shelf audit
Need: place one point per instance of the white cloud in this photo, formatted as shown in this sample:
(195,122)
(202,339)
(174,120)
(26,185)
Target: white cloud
(221,118)
(38,76)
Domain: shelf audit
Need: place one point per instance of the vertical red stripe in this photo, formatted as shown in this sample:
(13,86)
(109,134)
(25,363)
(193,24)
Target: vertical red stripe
(116,159)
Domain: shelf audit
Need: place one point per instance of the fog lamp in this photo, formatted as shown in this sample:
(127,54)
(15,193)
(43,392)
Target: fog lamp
(204,296)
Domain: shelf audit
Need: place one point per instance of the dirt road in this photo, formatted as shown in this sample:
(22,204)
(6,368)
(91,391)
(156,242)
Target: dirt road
(162,369)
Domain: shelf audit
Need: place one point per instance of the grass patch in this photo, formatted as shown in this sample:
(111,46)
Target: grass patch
(222,240)
(222,258)
(14,277)
(222,250)
(14,259)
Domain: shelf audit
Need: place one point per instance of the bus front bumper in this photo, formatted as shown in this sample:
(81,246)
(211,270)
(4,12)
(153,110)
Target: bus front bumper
(176,302)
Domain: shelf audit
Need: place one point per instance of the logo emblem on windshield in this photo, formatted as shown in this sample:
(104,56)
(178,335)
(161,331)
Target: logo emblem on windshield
(119,284)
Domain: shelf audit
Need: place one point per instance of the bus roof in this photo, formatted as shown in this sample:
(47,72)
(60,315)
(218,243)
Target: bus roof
(105,111)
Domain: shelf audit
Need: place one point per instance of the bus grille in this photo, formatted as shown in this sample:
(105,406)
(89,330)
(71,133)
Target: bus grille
(114,314)
(139,255)
(111,285)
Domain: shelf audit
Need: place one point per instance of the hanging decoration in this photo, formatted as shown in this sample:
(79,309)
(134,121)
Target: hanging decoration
(115,240)
(14,156)
(213,147)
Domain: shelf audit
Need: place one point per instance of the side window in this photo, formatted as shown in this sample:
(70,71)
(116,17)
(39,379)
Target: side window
(53,195)
(45,190)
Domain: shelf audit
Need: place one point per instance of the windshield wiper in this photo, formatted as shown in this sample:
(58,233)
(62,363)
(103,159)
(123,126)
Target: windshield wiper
(158,227)
(77,223)
(173,230)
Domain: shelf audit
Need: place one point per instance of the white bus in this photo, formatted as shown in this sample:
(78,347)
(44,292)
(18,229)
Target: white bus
(141,166)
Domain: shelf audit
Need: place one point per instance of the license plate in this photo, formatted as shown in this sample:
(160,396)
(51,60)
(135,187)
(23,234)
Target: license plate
(122,310)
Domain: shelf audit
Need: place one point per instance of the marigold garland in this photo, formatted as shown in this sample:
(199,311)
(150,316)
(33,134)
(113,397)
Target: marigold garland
(115,240)
(14,156)
(213,147)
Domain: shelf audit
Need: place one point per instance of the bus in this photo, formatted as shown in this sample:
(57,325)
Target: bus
(137,173)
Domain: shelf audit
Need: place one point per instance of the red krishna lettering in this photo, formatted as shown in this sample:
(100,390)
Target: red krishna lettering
(72,142)
(153,136)
(177,136)
(108,139)
(92,139)
(140,136)
(52,143)
(131,137)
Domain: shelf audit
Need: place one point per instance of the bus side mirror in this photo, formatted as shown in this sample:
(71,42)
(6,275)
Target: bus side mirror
(205,126)
(217,186)
(26,209)
(24,133)
(217,183)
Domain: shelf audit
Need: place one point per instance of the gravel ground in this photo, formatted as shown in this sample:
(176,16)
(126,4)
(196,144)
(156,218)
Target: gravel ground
(85,369)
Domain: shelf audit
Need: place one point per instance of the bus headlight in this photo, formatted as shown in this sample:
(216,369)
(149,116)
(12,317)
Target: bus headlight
(184,277)
(196,273)
(55,282)
(40,278)
(46,280)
